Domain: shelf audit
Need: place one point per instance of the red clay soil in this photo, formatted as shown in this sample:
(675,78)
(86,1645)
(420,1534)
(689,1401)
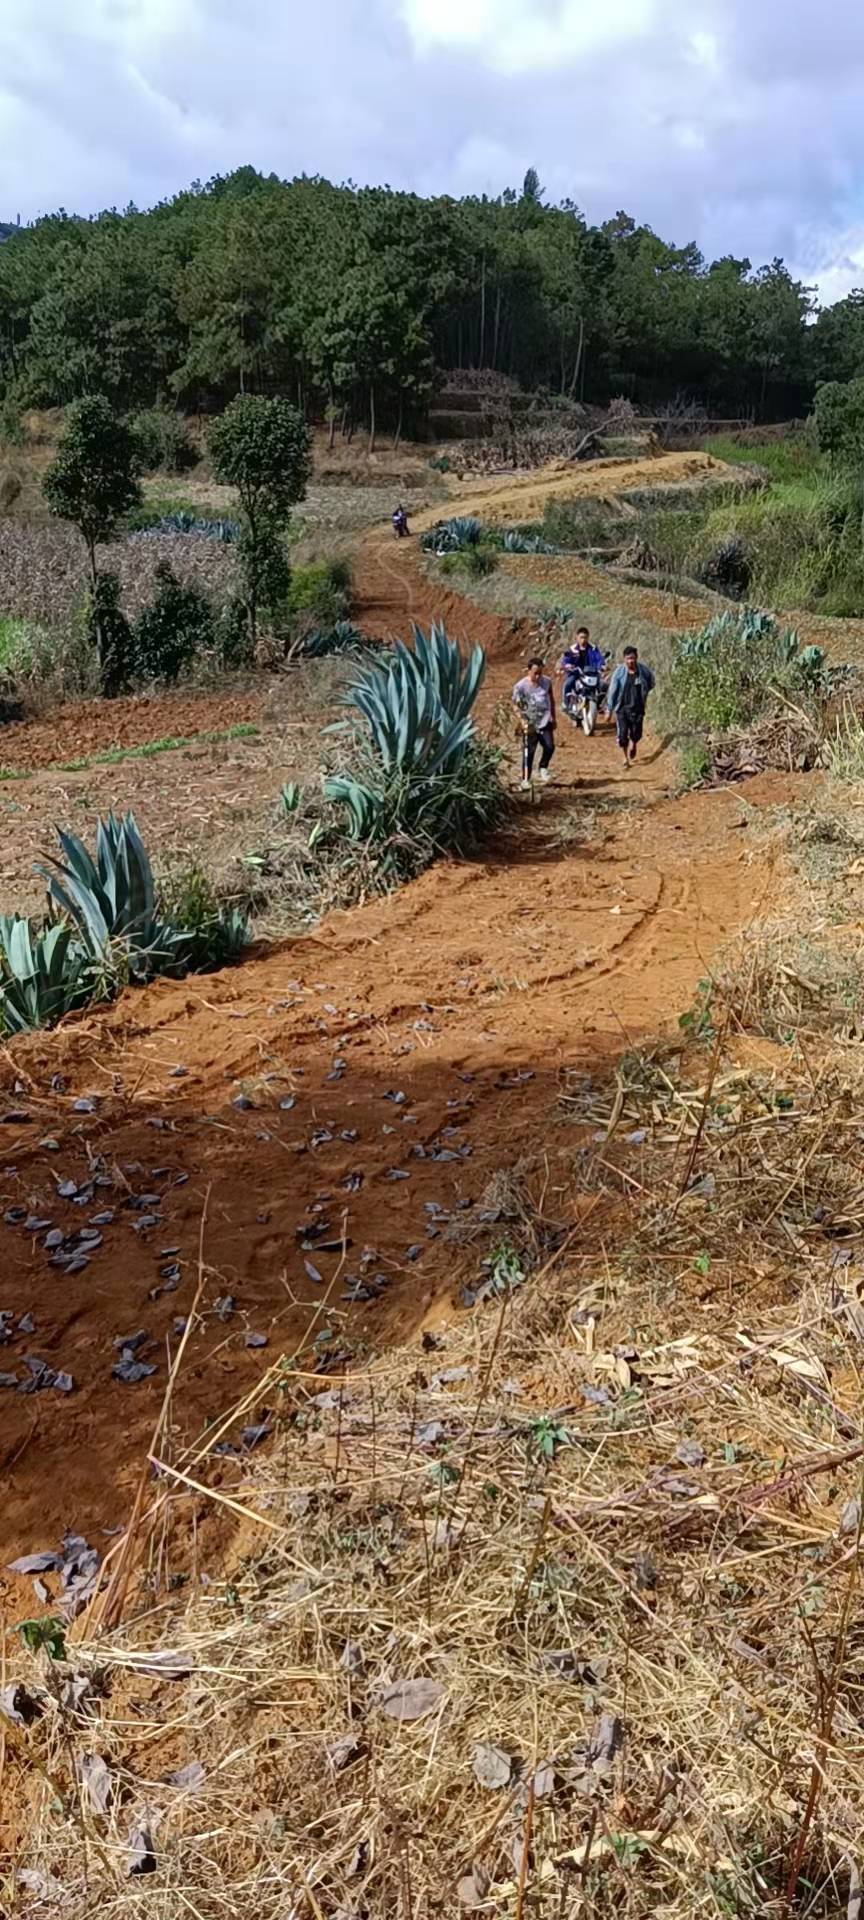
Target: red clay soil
(366,1077)
(95,726)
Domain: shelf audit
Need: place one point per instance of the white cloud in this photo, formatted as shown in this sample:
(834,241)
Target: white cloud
(734,122)
(519,36)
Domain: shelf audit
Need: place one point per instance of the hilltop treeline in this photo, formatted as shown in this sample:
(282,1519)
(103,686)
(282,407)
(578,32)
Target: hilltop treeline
(353,300)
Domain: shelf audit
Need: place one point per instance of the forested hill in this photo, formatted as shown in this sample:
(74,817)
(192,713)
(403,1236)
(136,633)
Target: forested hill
(352,298)
(6,227)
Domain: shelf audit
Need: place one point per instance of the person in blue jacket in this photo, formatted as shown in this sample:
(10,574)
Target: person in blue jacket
(626,701)
(579,657)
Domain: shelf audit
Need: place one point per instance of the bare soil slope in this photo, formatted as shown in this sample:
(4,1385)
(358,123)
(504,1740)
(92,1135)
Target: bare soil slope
(373,1077)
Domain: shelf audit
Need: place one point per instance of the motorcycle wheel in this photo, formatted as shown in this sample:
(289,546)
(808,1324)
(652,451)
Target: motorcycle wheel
(589,717)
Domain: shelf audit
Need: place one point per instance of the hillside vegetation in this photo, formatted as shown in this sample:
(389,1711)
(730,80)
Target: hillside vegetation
(349,299)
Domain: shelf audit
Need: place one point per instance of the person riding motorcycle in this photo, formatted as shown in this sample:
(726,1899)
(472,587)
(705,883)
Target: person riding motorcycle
(578,658)
(400,523)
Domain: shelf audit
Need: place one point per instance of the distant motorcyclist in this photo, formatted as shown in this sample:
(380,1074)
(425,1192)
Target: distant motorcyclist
(626,701)
(400,523)
(578,658)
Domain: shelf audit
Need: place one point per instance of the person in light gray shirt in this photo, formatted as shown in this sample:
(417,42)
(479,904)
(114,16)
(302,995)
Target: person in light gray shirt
(626,701)
(534,700)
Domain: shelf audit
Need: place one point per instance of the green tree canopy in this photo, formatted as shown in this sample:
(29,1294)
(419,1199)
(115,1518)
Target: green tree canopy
(261,448)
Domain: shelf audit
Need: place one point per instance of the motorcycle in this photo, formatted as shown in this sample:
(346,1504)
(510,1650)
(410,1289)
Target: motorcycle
(401,528)
(582,703)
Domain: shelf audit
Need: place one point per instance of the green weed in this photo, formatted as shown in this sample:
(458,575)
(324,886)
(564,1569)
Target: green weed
(47,1635)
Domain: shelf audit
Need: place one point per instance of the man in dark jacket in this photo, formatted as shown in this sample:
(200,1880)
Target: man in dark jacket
(627,698)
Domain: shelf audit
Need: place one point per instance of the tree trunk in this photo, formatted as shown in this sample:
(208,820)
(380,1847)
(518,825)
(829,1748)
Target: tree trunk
(331,416)
(578,365)
(371,417)
(497,326)
(253,581)
(398,434)
(483,308)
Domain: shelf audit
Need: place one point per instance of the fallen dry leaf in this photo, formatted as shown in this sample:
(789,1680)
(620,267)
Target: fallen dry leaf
(97,1781)
(410,1699)
(492,1766)
(472,1890)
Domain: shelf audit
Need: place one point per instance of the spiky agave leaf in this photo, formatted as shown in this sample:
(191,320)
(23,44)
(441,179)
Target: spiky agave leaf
(43,974)
(112,900)
(365,806)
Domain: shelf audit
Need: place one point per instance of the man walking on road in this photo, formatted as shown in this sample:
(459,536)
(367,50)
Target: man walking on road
(534,701)
(626,700)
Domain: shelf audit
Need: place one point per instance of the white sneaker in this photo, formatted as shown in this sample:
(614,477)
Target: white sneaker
(545,776)
(525,786)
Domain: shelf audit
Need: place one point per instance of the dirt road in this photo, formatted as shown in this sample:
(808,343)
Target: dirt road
(319,1119)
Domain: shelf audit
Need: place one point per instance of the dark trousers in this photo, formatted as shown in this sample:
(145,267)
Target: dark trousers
(543,738)
(629,729)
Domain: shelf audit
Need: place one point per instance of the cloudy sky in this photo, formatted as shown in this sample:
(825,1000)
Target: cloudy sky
(737,123)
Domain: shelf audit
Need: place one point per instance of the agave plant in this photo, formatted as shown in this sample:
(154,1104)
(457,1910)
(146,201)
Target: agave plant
(43,974)
(184,522)
(418,702)
(516,540)
(112,900)
(418,705)
(342,637)
(452,536)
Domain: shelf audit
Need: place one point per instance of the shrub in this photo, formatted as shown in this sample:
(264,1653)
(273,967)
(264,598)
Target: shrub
(839,415)
(163,443)
(234,641)
(12,432)
(320,589)
(109,634)
(212,935)
(728,570)
(843,751)
(22,645)
(10,488)
(727,674)
(474,562)
(694,761)
(430,785)
(176,626)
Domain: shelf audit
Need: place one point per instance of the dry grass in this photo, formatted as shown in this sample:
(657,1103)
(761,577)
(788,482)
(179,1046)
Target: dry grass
(607,1516)
(781,982)
(43,569)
